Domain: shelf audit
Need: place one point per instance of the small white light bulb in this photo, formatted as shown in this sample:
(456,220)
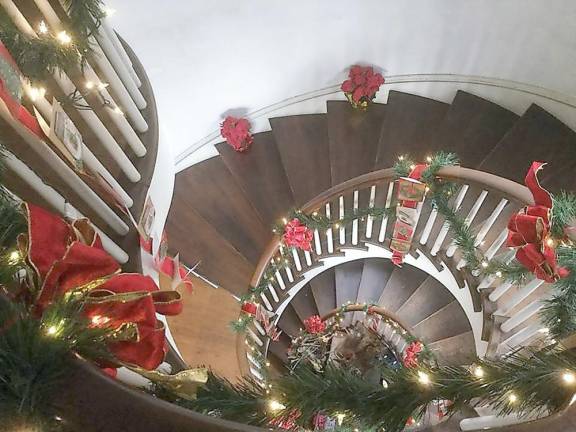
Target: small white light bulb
(64,38)
(42,28)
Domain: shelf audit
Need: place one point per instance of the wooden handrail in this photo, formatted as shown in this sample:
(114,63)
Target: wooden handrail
(361,308)
(510,189)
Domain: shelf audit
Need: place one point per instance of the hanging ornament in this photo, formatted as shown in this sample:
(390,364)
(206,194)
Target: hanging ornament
(298,235)
(236,132)
(361,86)
(529,232)
(411,194)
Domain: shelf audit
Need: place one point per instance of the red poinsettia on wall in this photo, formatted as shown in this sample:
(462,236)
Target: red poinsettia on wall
(236,132)
(362,85)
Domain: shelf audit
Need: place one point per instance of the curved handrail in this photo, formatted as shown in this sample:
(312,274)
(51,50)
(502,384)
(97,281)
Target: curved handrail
(361,308)
(511,85)
(512,190)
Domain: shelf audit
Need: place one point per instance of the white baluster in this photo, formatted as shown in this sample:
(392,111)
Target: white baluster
(382,234)
(342,230)
(522,315)
(355,222)
(370,219)
(266,301)
(273,292)
(329,238)
(446,226)
(490,221)
(469,218)
(519,296)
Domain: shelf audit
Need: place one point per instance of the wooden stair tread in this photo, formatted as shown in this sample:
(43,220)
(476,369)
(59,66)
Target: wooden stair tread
(400,286)
(302,143)
(324,290)
(210,189)
(260,174)
(353,139)
(446,322)
(409,126)
(347,277)
(289,322)
(430,297)
(197,241)
(304,303)
(536,136)
(375,274)
(456,350)
(472,127)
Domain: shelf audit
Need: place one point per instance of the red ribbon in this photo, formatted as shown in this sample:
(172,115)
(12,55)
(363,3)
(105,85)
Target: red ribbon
(70,257)
(529,230)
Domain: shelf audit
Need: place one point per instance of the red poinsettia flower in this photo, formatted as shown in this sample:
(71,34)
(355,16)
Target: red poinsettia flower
(298,235)
(236,132)
(362,83)
(314,324)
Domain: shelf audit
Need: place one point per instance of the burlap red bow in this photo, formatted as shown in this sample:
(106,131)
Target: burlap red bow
(70,258)
(529,230)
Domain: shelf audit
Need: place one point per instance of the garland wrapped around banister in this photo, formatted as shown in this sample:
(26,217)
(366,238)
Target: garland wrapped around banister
(41,56)
(61,293)
(543,234)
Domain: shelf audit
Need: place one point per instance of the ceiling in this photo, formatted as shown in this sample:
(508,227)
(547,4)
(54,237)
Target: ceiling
(207,57)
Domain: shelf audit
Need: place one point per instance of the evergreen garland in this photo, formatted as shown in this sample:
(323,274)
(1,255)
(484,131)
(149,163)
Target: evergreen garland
(37,57)
(533,383)
(35,355)
(40,57)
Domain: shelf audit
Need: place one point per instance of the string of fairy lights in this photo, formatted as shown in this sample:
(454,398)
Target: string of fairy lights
(76,98)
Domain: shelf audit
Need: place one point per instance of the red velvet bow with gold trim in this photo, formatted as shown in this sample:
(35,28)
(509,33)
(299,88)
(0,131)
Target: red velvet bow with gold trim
(70,258)
(529,230)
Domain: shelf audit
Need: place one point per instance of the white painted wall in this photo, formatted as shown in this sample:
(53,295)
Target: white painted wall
(205,58)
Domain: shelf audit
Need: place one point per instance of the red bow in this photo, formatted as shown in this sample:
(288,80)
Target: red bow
(529,230)
(70,258)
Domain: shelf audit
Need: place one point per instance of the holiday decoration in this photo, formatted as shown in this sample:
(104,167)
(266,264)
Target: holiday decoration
(175,271)
(411,193)
(314,324)
(236,132)
(361,86)
(39,57)
(298,235)
(69,259)
(251,312)
(410,358)
(529,232)
(11,91)
(529,383)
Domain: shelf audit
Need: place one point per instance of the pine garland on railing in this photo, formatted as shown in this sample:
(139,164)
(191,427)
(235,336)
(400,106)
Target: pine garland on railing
(40,57)
(533,383)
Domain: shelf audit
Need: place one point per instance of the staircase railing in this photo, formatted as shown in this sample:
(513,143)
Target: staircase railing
(488,199)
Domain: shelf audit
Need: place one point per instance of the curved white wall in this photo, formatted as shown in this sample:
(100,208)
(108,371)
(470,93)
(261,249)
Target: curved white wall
(204,58)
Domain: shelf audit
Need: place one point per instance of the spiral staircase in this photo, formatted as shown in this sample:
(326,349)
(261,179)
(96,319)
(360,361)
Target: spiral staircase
(334,163)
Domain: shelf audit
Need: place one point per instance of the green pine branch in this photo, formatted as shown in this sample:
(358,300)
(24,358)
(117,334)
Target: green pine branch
(530,383)
(35,354)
